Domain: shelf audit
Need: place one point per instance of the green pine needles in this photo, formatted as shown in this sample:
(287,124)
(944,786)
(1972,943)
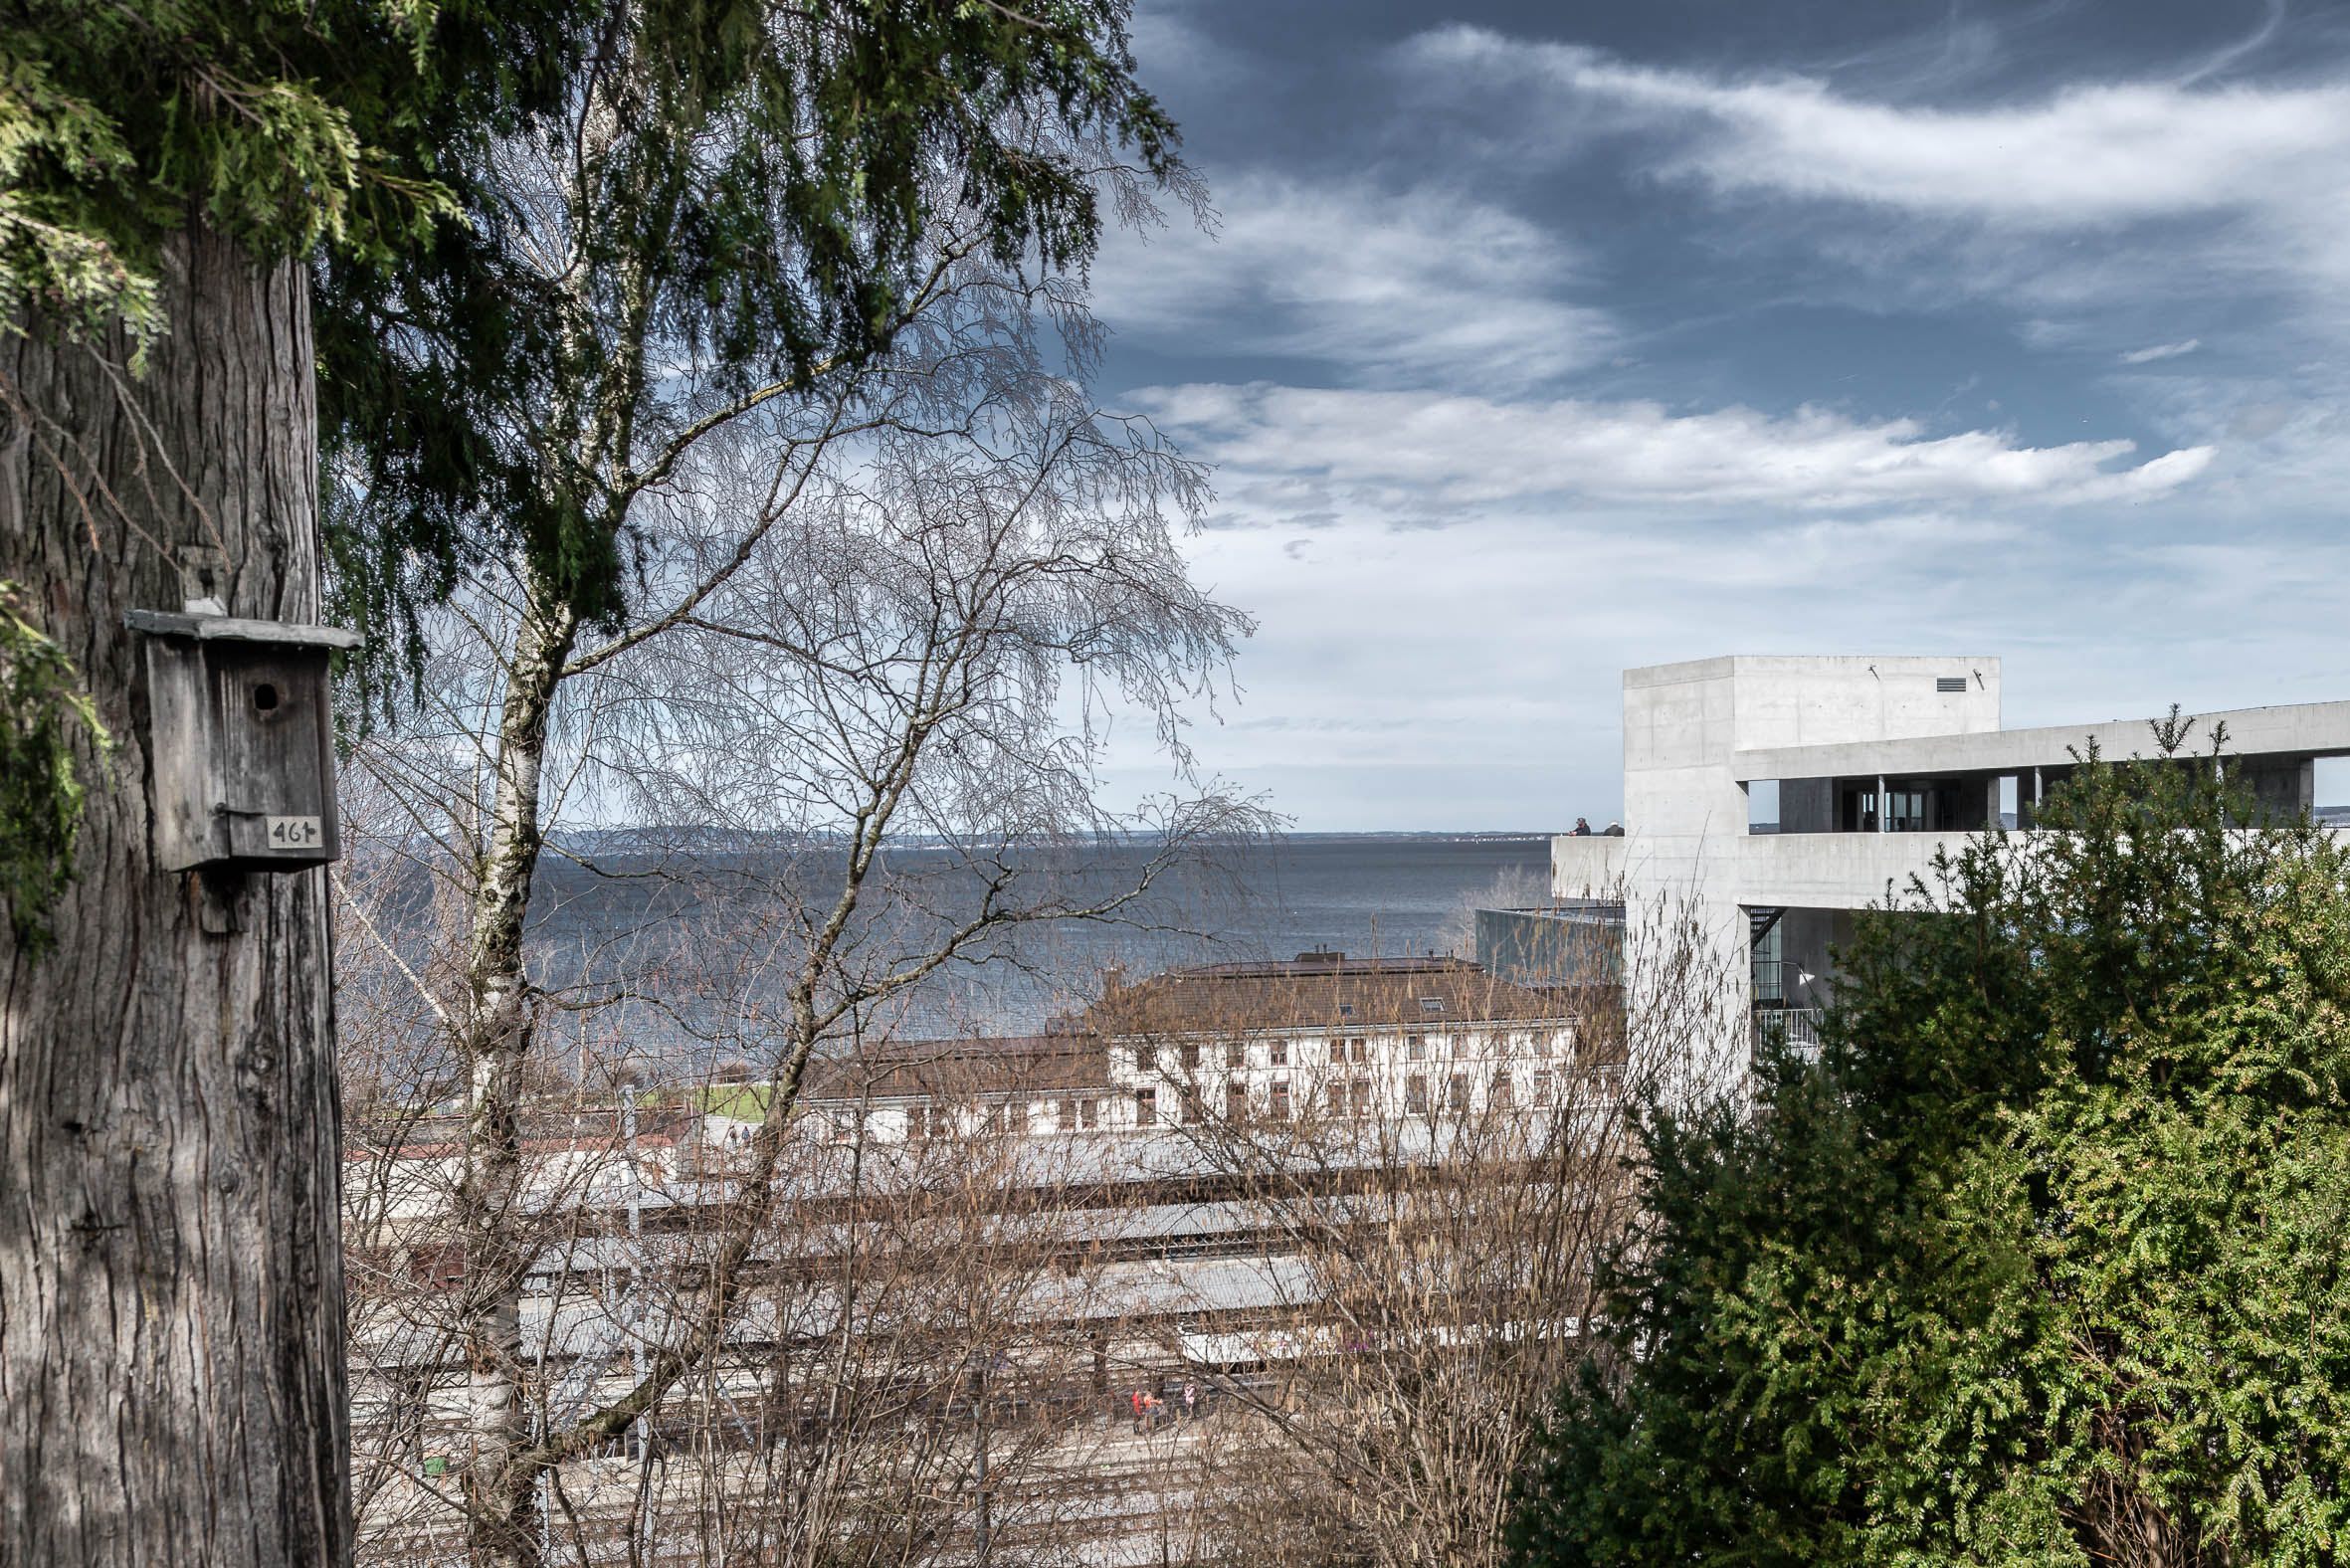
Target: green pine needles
(2046,1259)
(275,121)
(46,722)
(721,202)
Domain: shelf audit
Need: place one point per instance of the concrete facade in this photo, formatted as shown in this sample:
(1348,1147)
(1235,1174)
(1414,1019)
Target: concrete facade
(1875,764)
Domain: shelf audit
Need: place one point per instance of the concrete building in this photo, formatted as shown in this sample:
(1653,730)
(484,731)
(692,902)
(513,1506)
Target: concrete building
(1776,796)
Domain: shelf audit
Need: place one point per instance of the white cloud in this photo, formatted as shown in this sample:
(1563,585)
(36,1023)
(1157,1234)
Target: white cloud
(2096,199)
(1425,285)
(1404,454)
(2091,153)
(2147,356)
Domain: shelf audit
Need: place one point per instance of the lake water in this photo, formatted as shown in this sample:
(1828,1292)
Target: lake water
(1364,894)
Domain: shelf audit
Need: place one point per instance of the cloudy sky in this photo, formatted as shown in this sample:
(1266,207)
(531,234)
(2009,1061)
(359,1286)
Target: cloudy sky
(1535,341)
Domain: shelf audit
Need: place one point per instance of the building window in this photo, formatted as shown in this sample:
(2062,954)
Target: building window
(1146,1059)
(917,1121)
(1064,1115)
(1191,1053)
(1278,1053)
(1431,1003)
(1457,1093)
(1088,1114)
(1236,1102)
(1542,1085)
(1416,1047)
(999,1118)
(1280,1100)
(1146,1107)
(1415,1095)
(1358,1049)
(1235,1055)
(1362,1098)
(1504,1092)
(1194,1111)
(1346,1010)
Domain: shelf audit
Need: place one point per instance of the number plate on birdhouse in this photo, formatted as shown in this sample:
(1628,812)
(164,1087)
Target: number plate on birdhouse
(294,835)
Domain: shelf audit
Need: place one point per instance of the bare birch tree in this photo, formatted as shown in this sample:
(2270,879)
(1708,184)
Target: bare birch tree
(897,613)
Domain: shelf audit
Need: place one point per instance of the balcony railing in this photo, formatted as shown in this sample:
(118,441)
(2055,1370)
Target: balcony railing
(1798,1025)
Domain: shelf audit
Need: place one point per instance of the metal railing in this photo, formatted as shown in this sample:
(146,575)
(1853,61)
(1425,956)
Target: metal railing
(1798,1025)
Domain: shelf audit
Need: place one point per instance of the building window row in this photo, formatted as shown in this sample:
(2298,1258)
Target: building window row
(1353,1097)
(1282,1050)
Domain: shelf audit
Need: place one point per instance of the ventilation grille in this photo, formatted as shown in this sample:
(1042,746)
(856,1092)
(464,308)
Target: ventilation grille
(1950,683)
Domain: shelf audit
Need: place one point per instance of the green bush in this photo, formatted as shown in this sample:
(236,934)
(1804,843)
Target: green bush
(2041,1260)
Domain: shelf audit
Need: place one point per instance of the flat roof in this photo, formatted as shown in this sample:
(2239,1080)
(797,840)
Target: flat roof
(2301,729)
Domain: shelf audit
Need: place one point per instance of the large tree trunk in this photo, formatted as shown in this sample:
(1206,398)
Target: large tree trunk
(171,1309)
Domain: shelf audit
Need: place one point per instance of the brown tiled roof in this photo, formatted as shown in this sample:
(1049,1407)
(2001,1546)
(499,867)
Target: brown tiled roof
(961,1068)
(1326,991)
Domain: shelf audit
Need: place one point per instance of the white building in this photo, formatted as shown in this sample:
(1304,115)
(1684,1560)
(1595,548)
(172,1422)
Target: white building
(1778,795)
(1336,1037)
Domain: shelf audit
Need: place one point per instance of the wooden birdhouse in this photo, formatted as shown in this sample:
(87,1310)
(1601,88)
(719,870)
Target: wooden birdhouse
(242,740)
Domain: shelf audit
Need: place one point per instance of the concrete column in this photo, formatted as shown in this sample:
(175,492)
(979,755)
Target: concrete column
(1882,803)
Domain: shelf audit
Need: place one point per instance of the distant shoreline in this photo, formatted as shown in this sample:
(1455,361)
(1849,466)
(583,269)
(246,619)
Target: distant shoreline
(1431,837)
(671,839)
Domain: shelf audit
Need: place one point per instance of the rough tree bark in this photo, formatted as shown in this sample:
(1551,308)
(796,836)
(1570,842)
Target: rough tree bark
(171,1310)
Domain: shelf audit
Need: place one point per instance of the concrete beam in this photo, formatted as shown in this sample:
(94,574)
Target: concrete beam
(2301,730)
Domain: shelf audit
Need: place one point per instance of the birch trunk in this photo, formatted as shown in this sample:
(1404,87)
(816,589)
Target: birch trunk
(500,1496)
(171,1311)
